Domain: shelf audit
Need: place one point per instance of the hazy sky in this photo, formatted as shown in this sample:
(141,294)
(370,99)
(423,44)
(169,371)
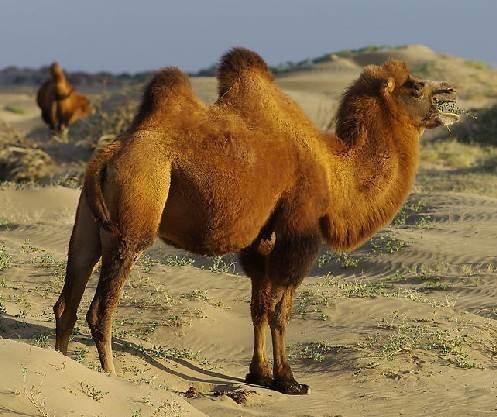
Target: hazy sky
(133,35)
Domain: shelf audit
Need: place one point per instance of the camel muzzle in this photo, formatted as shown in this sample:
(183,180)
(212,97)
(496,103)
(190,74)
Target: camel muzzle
(444,100)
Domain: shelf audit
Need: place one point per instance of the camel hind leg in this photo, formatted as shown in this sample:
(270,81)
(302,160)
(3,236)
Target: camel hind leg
(84,253)
(137,232)
(117,260)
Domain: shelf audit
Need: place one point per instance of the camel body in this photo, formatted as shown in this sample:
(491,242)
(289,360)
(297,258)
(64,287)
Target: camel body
(249,174)
(60,104)
(258,174)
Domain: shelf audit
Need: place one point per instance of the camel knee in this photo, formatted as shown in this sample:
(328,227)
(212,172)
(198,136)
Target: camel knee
(259,314)
(260,302)
(278,321)
(278,318)
(63,313)
(281,309)
(259,306)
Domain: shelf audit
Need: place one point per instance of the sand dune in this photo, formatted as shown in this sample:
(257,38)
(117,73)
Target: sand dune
(42,382)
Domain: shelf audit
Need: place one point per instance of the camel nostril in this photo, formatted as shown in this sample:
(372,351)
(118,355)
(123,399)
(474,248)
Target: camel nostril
(445,90)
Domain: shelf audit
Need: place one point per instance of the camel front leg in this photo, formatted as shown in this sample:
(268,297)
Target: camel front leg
(260,372)
(287,265)
(279,317)
(254,264)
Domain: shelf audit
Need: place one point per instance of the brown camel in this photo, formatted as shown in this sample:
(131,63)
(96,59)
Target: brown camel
(60,103)
(249,174)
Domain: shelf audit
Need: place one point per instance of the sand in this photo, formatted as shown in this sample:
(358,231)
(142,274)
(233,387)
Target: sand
(43,382)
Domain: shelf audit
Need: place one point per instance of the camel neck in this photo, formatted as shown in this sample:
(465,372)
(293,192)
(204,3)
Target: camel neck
(369,182)
(62,85)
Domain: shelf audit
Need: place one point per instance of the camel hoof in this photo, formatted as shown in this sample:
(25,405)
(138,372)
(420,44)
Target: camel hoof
(257,379)
(290,387)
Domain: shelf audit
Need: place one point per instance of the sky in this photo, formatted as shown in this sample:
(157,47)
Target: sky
(137,35)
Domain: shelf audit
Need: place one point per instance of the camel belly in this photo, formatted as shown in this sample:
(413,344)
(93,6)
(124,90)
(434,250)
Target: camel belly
(194,231)
(212,224)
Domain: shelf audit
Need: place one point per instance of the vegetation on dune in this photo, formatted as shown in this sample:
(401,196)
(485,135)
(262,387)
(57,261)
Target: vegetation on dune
(314,351)
(35,76)
(452,154)
(14,109)
(449,165)
(480,65)
(482,128)
(425,69)
(345,53)
(5,259)
(113,114)
(21,160)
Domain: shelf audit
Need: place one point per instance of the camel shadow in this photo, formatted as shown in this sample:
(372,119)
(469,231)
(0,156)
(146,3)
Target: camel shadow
(12,412)
(14,328)
(11,227)
(137,350)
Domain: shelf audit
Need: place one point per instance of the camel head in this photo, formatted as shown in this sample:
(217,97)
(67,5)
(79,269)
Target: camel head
(389,95)
(56,70)
(428,103)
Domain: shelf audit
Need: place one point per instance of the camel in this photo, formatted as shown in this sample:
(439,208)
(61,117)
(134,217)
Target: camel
(248,174)
(60,103)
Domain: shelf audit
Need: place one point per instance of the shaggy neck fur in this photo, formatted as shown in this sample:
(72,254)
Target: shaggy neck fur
(371,176)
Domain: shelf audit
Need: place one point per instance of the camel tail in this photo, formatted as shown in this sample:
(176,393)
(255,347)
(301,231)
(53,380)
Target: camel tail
(236,61)
(93,186)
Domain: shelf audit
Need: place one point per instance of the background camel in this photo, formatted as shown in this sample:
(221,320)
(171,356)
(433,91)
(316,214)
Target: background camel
(249,174)
(60,103)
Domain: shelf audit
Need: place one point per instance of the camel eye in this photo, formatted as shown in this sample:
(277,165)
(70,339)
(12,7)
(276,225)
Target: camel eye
(413,84)
(415,87)
(418,93)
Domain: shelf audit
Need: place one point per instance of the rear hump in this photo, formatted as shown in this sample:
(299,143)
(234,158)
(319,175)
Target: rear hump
(168,87)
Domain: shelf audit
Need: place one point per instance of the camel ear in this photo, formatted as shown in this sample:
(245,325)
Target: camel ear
(388,86)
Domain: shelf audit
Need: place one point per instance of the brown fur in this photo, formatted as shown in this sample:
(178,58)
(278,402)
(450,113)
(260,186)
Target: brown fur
(249,174)
(60,104)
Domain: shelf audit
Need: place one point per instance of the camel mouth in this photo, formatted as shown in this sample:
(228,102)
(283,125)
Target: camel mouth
(448,119)
(448,111)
